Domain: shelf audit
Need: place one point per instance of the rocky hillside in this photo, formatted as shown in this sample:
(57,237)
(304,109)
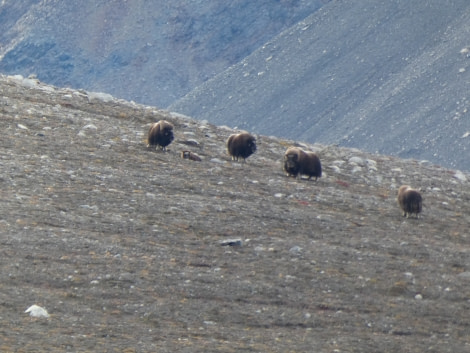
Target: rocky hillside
(135,250)
(388,77)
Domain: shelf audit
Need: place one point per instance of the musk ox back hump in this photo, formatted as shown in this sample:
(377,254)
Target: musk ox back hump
(298,162)
(312,166)
(241,145)
(409,200)
(160,134)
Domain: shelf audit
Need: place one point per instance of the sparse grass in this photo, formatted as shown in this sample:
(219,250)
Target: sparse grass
(121,244)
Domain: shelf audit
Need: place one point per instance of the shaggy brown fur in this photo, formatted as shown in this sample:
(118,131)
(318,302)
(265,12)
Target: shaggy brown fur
(297,162)
(160,134)
(241,145)
(409,200)
(190,155)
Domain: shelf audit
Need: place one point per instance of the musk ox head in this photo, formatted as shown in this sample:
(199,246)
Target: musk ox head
(241,145)
(291,161)
(160,134)
(298,162)
(409,200)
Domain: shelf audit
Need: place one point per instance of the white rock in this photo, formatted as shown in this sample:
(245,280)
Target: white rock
(460,176)
(217,160)
(464,275)
(356,169)
(335,169)
(21,126)
(295,249)
(192,142)
(30,83)
(357,160)
(37,311)
(231,242)
(105,97)
(90,127)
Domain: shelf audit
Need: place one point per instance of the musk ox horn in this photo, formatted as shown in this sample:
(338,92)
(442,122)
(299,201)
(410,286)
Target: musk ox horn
(241,145)
(160,134)
(409,200)
(297,162)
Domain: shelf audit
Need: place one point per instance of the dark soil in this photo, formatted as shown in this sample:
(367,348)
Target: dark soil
(130,249)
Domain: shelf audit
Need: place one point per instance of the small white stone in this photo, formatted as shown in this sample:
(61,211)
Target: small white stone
(356,160)
(460,176)
(105,97)
(356,169)
(217,160)
(418,297)
(90,127)
(37,311)
(335,169)
(295,249)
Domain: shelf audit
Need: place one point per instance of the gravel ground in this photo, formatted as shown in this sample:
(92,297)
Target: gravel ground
(130,249)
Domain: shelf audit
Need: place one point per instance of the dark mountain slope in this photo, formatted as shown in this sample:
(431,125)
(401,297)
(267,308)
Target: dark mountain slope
(152,52)
(124,246)
(387,76)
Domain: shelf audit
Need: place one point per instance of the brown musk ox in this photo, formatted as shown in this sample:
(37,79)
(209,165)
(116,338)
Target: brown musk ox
(190,155)
(241,145)
(298,162)
(160,134)
(409,200)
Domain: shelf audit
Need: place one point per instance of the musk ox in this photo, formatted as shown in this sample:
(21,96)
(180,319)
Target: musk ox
(297,162)
(160,134)
(241,145)
(409,200)
(190,155)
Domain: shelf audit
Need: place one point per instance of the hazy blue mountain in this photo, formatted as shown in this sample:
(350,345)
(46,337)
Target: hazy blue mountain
(152,52)
(386,76)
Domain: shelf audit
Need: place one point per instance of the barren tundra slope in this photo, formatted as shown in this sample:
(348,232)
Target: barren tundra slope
(137,250)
